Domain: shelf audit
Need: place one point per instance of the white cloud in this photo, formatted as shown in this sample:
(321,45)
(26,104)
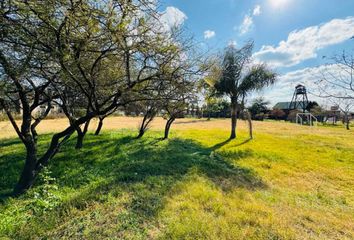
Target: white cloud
(247,22)
(309,77)
(209,34)
(172,17)
(303,44)
(257,10)
(246,25)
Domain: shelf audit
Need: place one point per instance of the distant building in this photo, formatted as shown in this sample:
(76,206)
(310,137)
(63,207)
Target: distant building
(287,106)
(55,109)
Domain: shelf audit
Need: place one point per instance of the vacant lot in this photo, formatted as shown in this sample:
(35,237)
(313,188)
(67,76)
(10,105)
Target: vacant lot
(290,182)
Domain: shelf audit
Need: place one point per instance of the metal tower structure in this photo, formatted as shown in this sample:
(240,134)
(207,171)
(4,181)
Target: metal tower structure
(299,100)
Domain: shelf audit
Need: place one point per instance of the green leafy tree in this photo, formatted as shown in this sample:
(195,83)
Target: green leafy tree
(258,108)
(91,57)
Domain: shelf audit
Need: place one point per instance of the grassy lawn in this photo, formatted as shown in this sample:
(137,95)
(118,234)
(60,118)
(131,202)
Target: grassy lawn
(290,182)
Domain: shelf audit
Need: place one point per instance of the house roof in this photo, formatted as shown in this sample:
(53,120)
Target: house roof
(286,105)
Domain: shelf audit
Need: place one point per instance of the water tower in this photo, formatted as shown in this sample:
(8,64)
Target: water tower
(299,100)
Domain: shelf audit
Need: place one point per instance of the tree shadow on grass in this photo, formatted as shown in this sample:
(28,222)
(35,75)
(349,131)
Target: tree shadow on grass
(220,145)
(11,162)
(146,169)
(177,157)
(9,142)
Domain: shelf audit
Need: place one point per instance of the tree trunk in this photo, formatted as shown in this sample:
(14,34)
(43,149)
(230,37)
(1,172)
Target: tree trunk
(54,146)
(81,135)
(87,124)
(29,171)
(32,165)
(80,138)
(148,117)
(142,127)
(167,127)
(99,127)
(141,134)
(250,127)
(347,122)
(233,117)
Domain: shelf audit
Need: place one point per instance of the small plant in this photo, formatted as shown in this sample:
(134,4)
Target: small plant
(44,196)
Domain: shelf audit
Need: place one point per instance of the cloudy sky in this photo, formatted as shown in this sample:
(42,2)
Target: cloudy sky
(292,36)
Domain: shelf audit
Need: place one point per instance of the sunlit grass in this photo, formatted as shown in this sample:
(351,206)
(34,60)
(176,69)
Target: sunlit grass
(290,182)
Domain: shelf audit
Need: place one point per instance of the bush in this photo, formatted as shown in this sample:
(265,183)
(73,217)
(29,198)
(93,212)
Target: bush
(259,117)
(277,114)
(292,115)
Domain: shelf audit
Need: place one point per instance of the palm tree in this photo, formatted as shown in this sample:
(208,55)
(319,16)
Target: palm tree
(239,77)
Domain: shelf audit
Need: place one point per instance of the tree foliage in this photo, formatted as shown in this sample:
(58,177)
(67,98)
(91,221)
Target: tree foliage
(258,108)
(88,58)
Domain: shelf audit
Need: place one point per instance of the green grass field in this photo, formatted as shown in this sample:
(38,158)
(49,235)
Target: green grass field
(290,182)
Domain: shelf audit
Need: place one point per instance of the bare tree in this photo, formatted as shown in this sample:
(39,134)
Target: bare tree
(345,106)
(336,84)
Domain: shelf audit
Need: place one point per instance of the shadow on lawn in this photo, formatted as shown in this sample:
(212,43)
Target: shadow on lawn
(9,142)
(125,160)
(146,169)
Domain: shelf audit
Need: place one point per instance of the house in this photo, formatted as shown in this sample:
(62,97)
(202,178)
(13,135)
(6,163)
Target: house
(55,109)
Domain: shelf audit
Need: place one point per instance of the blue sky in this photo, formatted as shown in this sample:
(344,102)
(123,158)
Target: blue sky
(292,36)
